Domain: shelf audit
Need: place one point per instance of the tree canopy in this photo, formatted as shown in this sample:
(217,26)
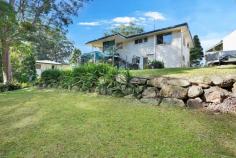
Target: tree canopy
(126,30)
(75,56)
(42,22)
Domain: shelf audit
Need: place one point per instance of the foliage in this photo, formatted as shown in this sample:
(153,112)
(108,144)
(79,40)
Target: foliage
(126,30)
(26,20)
(75,56)
(87,77)
(8,21)
(155,64)
(134,66)
(196,53)
(23,62)
(52,44)
(11,86)
(51,77)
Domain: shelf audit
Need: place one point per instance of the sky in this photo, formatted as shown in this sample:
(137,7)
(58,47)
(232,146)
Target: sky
(211,20)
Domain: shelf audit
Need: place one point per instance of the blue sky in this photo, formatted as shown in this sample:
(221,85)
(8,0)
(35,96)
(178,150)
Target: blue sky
(210,19)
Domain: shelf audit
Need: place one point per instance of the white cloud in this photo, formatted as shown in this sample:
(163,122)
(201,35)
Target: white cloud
(154,15)
(124,20)
(141,19)
(89,23)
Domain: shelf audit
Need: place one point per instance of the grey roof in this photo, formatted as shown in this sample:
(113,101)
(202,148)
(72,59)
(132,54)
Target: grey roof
(142,34)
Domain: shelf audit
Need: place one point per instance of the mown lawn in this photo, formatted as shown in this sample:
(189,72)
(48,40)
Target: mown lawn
(53,123)
(186,72)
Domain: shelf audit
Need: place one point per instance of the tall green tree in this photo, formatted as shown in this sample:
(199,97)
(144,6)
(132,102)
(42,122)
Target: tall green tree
(23,62)
(196,53)
(30,16)
(75,56)
(52,44)
(8,26)
(126,30)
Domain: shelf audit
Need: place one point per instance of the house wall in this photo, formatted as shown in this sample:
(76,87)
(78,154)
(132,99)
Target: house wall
(229,42)
(170,54)
(49,66)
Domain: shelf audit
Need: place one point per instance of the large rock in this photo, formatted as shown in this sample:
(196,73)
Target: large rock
(201,80)
(234,89)
(150,101)
(138,81)
(195,103)
(158,82)
(171,102)
(121,79)
(150,92)
(195,91)
(215,94)
(131,96)
(224,82)
(169,91)
(178,82)
(228,106)
(204,86)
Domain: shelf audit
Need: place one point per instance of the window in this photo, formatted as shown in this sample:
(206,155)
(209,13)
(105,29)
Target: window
(119,45)
(145,39)
(135,60)
(164,39)
(108,46)
(138,41)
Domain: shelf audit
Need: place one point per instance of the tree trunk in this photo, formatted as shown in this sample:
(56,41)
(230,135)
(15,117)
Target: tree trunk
(6,63)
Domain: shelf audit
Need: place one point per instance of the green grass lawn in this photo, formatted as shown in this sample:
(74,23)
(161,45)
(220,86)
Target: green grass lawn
(53,123)
(186,72)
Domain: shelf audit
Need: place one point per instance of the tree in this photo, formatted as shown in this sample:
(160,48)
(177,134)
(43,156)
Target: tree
(75,56)
(196,53)
(8,26)
(126,30)
(30,16)
(52,44)
(23,62)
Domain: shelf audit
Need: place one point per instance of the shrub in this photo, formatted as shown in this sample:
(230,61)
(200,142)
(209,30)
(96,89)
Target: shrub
(51,78)
(66,79)
(155,64)
(9,86)
(134,66)
(88,77)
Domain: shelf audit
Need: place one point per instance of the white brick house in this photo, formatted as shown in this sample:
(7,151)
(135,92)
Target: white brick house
(170,45)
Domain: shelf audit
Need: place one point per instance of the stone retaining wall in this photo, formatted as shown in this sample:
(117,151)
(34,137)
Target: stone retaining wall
(214,93)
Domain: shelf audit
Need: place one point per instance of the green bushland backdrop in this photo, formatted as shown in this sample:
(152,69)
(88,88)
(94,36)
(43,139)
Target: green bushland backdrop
(101,78)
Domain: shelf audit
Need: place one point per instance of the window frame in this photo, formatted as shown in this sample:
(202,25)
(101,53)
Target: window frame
(160,40)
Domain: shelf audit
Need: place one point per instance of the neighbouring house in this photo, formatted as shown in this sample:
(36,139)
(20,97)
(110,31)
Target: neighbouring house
(42,65)
(170,45)
(222,52)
